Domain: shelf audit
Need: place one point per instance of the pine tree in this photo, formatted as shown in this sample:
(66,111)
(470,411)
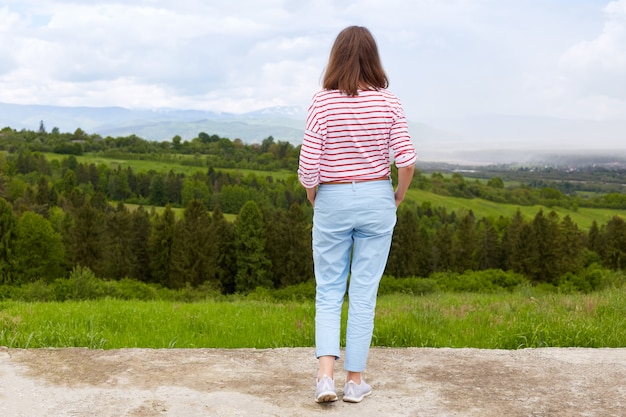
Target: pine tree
(404,252)
(570,247)
(594,241)
(118,245)
(8,234)
(488,253)
(253,266)
(544,259)
(160,246)
(614,247)
(464,245)
(140,236)
(288,246)
(85,237)
(193,245)
(223,233)
(442,256)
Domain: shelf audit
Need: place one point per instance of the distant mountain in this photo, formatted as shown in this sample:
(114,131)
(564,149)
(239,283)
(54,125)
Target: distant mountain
(284,123)
(483,139)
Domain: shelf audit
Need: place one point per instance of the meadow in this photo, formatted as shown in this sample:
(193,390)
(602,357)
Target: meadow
(583,216)
(524,318)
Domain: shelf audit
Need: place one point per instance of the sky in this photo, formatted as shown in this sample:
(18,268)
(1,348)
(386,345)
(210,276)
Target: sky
(444,58)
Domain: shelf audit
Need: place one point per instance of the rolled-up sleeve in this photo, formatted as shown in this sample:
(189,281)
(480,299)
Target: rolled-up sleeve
(400,140)
(310,151)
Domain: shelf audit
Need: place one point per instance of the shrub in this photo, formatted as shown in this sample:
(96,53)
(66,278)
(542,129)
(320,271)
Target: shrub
(487,281)
(410,285)
(84,285)
(36,291)
(299,292)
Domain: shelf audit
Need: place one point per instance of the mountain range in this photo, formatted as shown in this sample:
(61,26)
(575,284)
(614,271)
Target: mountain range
(483,139)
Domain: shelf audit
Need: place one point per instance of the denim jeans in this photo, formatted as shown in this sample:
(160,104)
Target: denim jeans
(352,228)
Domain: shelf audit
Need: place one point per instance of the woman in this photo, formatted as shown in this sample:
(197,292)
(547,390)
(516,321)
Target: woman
(352,127)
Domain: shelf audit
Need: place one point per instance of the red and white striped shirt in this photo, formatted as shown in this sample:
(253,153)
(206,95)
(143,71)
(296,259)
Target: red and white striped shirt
(350,138)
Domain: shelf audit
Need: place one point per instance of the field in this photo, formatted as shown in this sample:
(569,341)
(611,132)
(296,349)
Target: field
(175,163)
(584,217)
(522,319)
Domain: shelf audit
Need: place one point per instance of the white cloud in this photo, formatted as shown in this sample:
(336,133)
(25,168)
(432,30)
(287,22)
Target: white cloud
(444,58)
(593,70)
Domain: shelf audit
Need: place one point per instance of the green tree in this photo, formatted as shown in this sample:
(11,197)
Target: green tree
(253,266)
(614,243)
(160,246)
(157,190)
(442,245)
(191,261)
(118,187)
(118,245)
(464,244)
(223,233)
(570,247)
(39,249)
(403,255)
(488,253)
(173,187)
(544,263)
(289,246)
(195,189)
(8,234)
(85,237)
(139,250)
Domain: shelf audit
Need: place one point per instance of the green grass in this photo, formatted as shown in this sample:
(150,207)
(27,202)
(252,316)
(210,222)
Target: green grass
(175,164)
(113,324)
(523,319)
(584,217)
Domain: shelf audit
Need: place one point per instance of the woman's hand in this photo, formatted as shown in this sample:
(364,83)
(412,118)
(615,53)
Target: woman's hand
(405,175)
(310,195)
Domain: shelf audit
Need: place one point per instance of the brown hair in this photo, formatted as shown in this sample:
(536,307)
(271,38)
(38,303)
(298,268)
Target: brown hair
(354,62)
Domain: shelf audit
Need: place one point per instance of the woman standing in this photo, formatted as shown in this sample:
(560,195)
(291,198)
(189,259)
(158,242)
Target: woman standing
(353,126)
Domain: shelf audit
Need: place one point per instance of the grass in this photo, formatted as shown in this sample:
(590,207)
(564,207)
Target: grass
(522,319)
(175,164)
(583,217)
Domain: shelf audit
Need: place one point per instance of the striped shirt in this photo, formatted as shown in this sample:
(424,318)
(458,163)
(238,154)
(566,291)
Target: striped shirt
(350,138)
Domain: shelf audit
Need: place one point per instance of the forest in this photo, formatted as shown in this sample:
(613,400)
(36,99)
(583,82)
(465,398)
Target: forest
(232,217)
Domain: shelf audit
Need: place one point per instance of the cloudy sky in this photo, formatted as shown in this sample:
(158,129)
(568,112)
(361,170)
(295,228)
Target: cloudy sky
(444,58)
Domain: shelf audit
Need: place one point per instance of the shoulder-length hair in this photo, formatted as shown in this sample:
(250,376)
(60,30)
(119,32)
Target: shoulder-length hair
(354,63)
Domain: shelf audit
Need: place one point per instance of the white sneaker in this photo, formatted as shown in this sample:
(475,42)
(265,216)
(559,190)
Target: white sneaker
(354,393)
(325,390)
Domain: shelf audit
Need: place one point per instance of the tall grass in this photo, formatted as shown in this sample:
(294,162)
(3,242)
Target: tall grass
(522,319)
(111,324)
(503,321)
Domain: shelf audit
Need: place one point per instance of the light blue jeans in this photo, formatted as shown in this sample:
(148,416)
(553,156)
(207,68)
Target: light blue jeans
(352,228)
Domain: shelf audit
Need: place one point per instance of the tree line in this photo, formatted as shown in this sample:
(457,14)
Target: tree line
(56,215)
(269,247)
(547,187)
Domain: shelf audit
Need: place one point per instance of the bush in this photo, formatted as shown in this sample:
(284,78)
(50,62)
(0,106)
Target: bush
(84,285)
(410,285)
(299,292)
(36,291)
(6,292)
(592,278)
(129,289)
(487,281)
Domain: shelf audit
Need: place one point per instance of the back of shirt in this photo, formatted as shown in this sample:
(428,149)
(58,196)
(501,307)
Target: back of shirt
(351,138)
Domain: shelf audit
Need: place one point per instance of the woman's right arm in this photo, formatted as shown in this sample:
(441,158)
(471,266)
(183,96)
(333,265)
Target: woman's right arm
(405,175)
